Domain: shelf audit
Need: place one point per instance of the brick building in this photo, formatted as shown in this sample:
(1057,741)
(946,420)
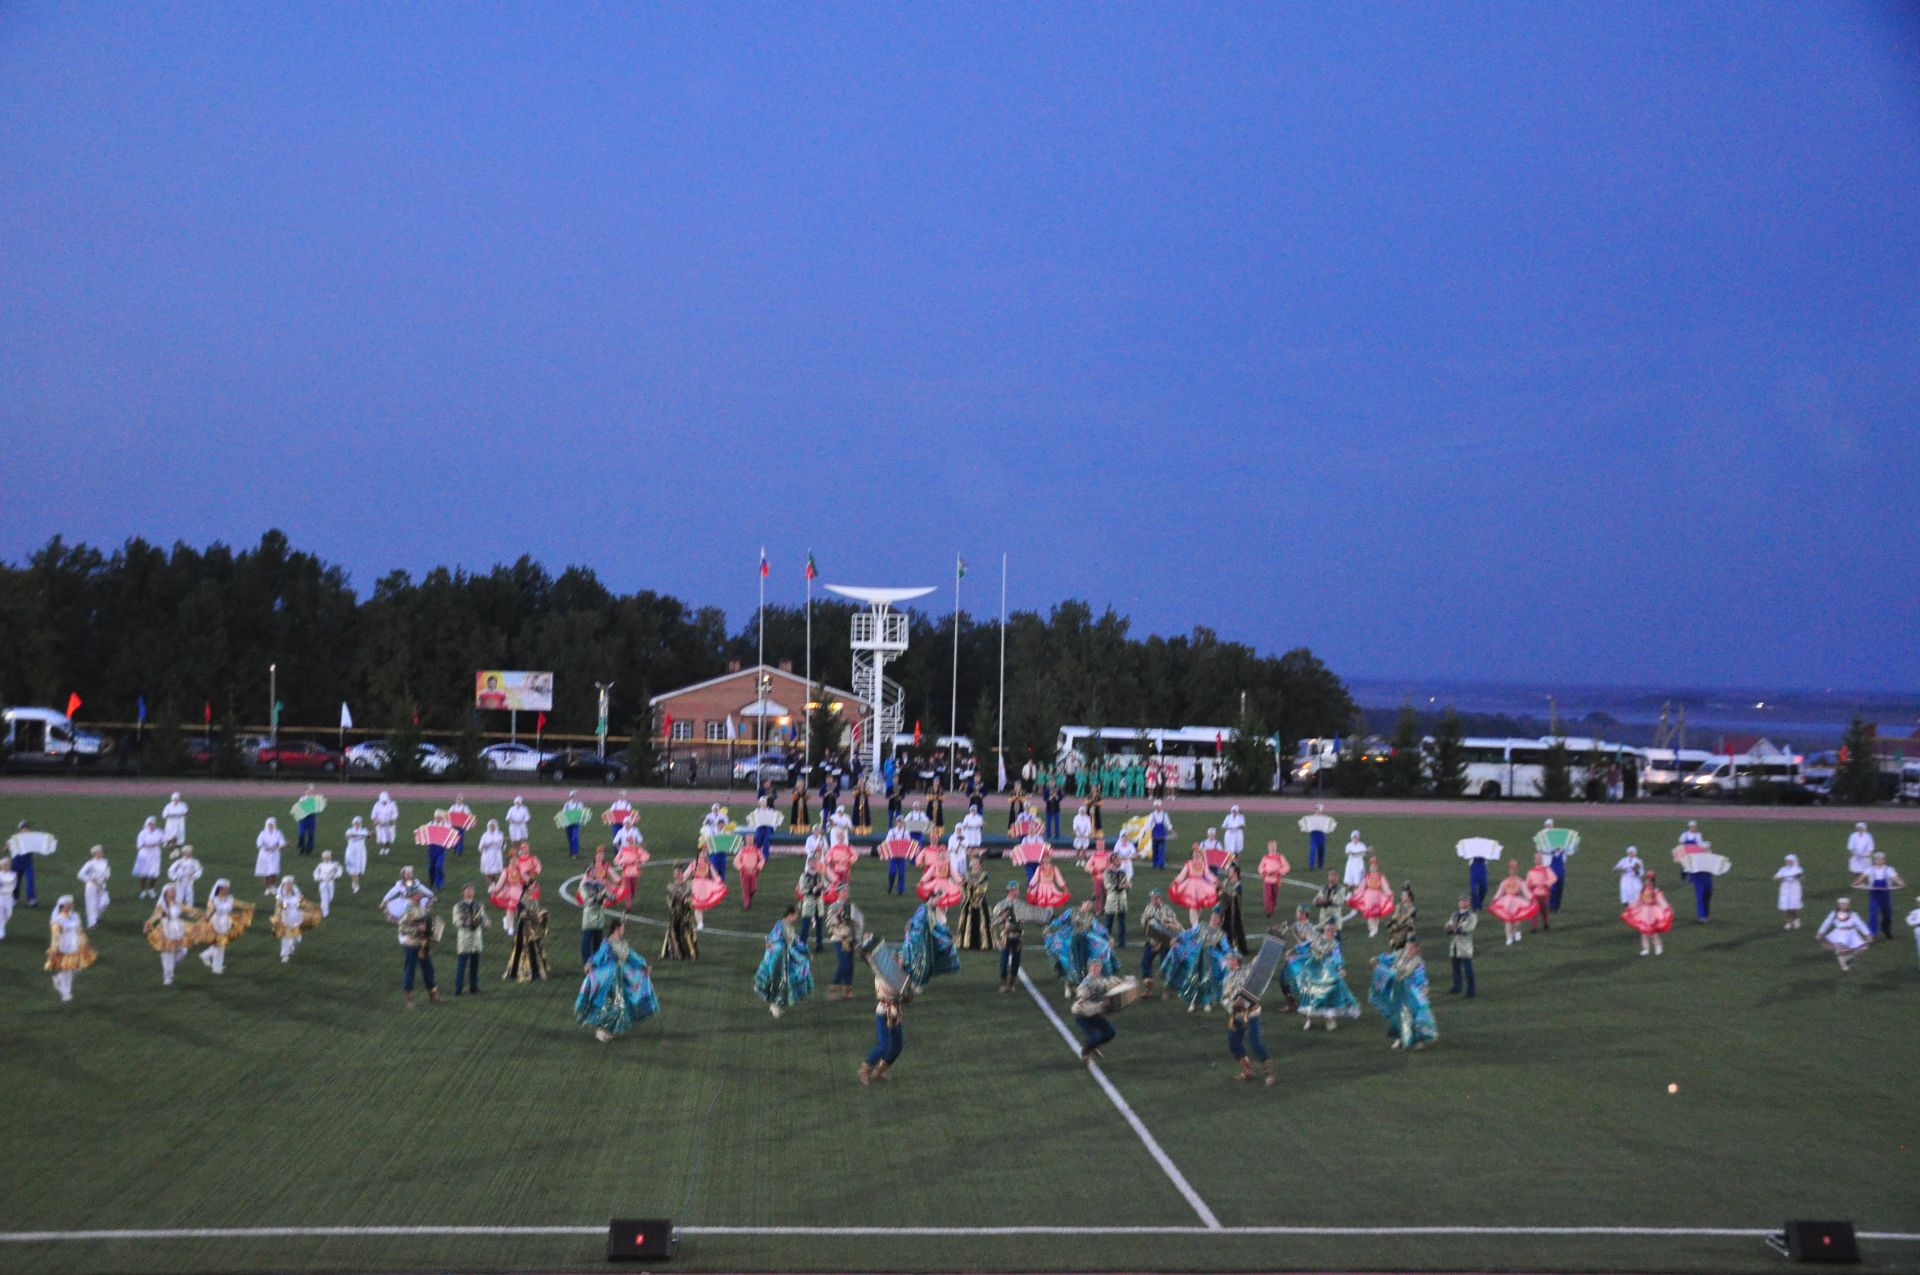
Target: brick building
(691,722)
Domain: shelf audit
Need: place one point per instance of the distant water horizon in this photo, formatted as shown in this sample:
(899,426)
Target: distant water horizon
(1802,718)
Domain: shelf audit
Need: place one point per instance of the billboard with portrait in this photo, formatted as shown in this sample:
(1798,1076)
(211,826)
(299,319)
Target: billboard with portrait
(507,689)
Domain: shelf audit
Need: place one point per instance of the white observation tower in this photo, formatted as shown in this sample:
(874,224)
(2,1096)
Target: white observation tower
(879,635)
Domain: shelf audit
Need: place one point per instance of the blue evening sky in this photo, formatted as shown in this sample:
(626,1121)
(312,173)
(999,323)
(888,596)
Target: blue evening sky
(1535,341)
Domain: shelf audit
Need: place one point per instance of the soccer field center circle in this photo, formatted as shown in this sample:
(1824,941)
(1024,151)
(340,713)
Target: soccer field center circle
(1203,1231)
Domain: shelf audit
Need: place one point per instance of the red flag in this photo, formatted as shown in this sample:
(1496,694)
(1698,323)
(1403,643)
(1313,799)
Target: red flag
(1219,743)
(206,712)
(916,732)
(416,714)
(812,571)
(763,562)
(540,722)
(666,725)
(73,703)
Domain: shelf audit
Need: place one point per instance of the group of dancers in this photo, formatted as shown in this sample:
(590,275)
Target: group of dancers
(1206,961)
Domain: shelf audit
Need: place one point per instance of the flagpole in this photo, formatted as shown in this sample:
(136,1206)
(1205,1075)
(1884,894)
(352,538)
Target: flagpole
(760,663)
(1000,718)
(806,711)
(953,698)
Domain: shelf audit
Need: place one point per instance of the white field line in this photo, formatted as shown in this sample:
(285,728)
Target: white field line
(1160,1157)
(883,1232)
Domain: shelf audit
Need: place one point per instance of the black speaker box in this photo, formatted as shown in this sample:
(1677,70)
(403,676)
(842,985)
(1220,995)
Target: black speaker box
(645,1239)
(1830,1242)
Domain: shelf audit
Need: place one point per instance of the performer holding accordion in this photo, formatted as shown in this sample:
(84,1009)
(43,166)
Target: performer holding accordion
(1243,988)
(1097,996)
(420,929)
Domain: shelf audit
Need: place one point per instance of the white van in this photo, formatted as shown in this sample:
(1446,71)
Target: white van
(1909,782)
(1732,774)
(1668,768)
(38,738)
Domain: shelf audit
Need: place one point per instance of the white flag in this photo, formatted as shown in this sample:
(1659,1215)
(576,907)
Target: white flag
(732,731)
(1003,775)
(346,716)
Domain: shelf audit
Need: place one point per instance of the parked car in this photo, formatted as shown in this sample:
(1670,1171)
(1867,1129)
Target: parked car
(580,763)
(512,757)
(775,766)
(372,756)
(298,754)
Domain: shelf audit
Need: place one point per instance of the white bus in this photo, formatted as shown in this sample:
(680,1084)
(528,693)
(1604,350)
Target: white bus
(1514,767)
(1724,774)
(1194,751)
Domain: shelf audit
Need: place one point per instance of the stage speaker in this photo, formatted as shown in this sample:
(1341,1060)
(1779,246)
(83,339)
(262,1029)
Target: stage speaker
(1828,1242)
(647,1239)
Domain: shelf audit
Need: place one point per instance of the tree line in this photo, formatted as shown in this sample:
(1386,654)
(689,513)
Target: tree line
(190,630)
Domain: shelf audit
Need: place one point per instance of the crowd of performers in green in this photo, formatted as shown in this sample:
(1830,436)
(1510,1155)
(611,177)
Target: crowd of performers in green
(1201,959)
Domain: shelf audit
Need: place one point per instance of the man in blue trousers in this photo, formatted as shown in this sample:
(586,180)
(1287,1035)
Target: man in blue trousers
(1477,882)
(1160,826)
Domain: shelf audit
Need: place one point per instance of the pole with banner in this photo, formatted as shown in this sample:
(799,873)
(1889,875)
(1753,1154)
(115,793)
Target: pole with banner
(760,665)
(601,729)
(953,694)
(273,714)
(806,768)
(346,724)
(539,729)
(1000,717)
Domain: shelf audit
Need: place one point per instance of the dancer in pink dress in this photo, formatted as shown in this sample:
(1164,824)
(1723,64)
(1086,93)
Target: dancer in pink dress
(1373,897)
(1048,889)
(1540,886)
(706,889)
(1195,887)
(1650,915)
(937,888)
(1512,902)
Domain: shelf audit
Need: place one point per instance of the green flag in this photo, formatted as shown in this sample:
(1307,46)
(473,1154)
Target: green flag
(279,706)
(959,567)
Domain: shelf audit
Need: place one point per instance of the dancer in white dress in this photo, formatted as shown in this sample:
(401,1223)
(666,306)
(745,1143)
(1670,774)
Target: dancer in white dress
(146,858)
(1790,891)
(166,931)
(226,921)
(1357,852)
(266,859)
(493,848)
(356,855)
(385,815)
(9,880)
(290,918)
(326,875)
(1859,849)
(1844,933)
(183,872)
(175,813)
(69,952)
(519,819)
(93,874)
(1082,830)
(1632,869)
(1233,831)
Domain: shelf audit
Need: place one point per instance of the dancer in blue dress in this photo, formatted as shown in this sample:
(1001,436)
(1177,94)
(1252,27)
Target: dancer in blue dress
(928,950)
(1399,992)
(617,991)
(1320,982)
(1075,938)
(1196,964)
(785,976)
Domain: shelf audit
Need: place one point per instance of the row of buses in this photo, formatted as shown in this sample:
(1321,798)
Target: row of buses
(1495,767)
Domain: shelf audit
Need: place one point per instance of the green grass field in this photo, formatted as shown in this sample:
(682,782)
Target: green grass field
(302,1095)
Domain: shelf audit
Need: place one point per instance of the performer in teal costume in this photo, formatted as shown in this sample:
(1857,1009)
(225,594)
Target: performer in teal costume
(1320,982)
(1399,992)
(785,976)
(617,991)
(1075,937)
(928,950)
(1196,964)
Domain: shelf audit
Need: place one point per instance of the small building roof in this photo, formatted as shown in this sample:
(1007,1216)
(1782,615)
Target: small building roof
(750,672)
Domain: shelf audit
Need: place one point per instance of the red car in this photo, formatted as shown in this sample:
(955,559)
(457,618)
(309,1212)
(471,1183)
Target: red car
(298,754)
